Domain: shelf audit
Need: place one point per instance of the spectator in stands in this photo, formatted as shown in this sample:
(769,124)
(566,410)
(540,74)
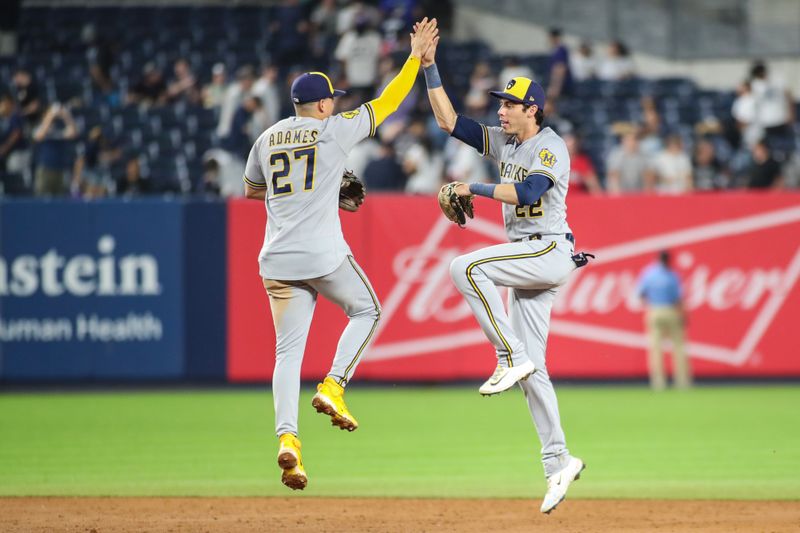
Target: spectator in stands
(214,92)
(626,165)
(96,154)
(397,17)
(650,135)
(240,137)
(361,154)
(27,94)
(289,34)
(709,173)
(671,169)
(87,176)
(184,84)
(765,172)
(582,175)
(514,68)
(660,288)
(323,29)
(746,116)
(150,89)
(352,10)
(481,80)
(54,137)
(359,51)
(259,118)
(617,65)
(422,165)
(266,89)
(100,53)
(106,93)
(9,20)
(132,183)
(582,63)
(15,154)
(775,108)
(235,94)
(559,67)
(553,119)
(463,163)
(222,174)
(480,107)
(384,173)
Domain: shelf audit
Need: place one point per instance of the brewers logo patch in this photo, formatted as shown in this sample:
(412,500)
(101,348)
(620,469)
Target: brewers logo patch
(350,114)
(511,84)
(547,157)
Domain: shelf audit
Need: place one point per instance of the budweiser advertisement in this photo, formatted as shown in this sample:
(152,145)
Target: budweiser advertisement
(738,256)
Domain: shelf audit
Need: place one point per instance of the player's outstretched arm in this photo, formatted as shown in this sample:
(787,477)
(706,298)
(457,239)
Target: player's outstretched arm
(525,192)
(397,89)
(440,103)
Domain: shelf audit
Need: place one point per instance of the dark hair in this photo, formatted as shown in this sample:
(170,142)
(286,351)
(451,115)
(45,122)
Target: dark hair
(555,32)
(538,116)
(758,70)
(663,256)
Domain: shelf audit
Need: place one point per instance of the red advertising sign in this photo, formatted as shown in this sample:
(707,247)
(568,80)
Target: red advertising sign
(737,254)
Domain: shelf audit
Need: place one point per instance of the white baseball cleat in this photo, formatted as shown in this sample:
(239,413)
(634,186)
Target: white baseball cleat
(557,484)
(505,378)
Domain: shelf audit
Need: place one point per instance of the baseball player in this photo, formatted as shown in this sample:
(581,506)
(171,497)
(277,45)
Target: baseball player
(296,168)
(534,170)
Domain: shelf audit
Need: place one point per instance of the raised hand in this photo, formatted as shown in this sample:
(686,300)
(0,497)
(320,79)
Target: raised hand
(424,34)
(429,56)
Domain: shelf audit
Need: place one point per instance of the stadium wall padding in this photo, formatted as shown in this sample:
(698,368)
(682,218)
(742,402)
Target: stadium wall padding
(159,289)
(738,254)
(111,290)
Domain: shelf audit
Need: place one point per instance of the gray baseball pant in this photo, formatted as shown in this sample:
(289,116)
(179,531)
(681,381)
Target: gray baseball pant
(533,270)
(292,304)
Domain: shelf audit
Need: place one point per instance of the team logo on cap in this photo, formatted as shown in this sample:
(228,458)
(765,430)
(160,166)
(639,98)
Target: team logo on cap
(547,157)
(511,84)
(350,114)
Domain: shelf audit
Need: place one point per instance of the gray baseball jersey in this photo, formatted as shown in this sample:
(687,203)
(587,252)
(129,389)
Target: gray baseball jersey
(300,161)
(532,270)
(545,153)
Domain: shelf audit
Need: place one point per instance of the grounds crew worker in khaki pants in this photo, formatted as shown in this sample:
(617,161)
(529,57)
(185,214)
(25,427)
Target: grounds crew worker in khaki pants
(660,288)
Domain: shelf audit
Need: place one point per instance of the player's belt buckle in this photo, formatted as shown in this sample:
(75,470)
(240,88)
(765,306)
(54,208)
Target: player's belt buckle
(538,237)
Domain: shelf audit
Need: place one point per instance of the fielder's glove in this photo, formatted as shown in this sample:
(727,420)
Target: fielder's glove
(456,208)
(351,192)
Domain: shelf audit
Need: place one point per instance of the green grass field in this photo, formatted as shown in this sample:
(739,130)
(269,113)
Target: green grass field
(712,442)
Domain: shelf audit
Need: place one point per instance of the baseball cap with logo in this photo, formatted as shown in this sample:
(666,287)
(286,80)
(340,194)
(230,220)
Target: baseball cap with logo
(313,86)
(523,91)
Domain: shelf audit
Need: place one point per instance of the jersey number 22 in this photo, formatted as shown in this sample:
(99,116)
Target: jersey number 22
(530,211)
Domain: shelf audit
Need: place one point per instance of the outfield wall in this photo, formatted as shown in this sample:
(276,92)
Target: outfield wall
(112,290)
(169,289)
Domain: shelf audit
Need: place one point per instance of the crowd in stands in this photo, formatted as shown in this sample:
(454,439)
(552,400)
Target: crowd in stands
(151,114)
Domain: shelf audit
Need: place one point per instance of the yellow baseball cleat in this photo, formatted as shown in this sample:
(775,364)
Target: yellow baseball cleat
(329,399)
(291,462)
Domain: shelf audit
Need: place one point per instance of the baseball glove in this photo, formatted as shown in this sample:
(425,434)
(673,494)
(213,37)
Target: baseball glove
(456,208)
(351,192)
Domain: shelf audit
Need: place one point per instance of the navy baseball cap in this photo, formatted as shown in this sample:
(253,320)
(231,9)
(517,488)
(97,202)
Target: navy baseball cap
(523,91)
(313,86)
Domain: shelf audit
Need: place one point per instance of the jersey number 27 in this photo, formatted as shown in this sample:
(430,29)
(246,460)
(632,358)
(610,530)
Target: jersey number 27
(282,159)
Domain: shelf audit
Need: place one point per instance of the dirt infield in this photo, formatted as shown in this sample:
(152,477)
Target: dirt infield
(197,515)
